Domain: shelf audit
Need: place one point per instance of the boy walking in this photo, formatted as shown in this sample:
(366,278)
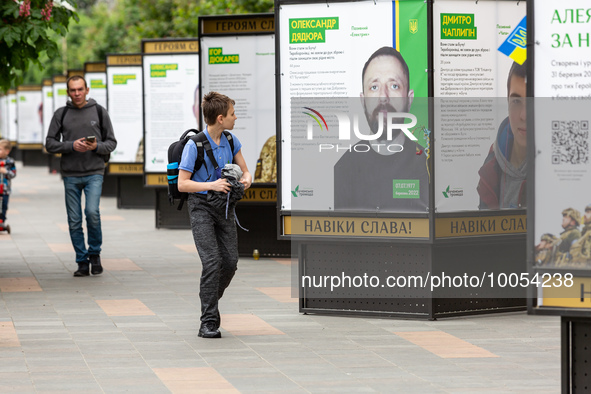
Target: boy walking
(7,172)
(214,231)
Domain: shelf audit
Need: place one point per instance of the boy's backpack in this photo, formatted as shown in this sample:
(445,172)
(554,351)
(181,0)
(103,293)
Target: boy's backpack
(175,152)
(99,112)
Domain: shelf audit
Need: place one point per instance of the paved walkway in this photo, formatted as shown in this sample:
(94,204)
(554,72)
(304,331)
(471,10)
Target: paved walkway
(134,328)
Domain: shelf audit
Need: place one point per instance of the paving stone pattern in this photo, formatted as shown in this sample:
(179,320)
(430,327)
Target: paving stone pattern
(134,328)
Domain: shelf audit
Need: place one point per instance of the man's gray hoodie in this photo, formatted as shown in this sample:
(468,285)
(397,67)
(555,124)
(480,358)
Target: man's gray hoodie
(80,123)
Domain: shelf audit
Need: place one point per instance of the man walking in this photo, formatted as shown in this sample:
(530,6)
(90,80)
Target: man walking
(82,132)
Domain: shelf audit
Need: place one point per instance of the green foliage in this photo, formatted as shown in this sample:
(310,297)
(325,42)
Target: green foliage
(119,27)
(25,35)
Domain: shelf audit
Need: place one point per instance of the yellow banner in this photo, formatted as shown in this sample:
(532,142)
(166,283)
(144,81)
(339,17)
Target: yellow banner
(356,227)
(95,67)
(169,46)
(71,73)
(262,194)
(30,146)
(480,225)
(565,292)
(241,25)
(29,88)
(115,168)
(156,180)
(124,60)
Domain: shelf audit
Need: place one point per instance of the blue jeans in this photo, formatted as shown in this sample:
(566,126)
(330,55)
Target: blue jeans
(92,185)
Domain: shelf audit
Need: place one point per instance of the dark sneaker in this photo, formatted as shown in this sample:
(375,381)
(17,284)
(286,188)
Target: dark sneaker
(95,262)
(207,331)
(82,270)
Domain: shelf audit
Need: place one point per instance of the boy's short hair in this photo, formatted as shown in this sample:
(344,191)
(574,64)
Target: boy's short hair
(5,144)
(215,104)
(517,70)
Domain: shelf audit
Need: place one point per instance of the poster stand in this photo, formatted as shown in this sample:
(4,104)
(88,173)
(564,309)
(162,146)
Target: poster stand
(364,244)
(240,48)
(444,257)
(162,60)
(559,204)
(124,175)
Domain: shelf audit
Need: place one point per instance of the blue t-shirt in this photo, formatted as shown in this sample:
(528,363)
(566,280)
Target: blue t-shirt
(222,153)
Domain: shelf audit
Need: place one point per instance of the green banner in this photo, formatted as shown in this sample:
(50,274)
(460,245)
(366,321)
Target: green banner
(121,79)
(159,70)
(410,39)
(97,84)
(216,56)
(406,188)
(311,30)
(458,27)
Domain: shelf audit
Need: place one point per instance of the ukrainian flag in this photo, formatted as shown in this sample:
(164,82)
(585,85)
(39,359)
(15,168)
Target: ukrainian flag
(514,45)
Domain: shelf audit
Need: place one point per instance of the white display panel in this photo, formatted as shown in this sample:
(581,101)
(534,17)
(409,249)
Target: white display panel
(29,117)
(12,130)
(243,68)
(562,87)
(169,93)
(97,82)
(48,110)
(470,88)
(126,111)
(329,69)
(60,95)
(324,52)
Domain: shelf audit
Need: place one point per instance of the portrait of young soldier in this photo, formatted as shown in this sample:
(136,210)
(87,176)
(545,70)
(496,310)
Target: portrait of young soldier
(503,174)
(365,178)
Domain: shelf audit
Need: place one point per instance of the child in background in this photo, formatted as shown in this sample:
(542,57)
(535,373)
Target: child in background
(7,172)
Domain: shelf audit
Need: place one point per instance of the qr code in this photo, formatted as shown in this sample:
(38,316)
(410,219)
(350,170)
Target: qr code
(570,142)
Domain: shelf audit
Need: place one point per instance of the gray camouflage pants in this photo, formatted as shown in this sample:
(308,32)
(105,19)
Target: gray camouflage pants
(217,244)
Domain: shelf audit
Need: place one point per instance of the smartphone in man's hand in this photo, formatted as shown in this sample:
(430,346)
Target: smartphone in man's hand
(90,139)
